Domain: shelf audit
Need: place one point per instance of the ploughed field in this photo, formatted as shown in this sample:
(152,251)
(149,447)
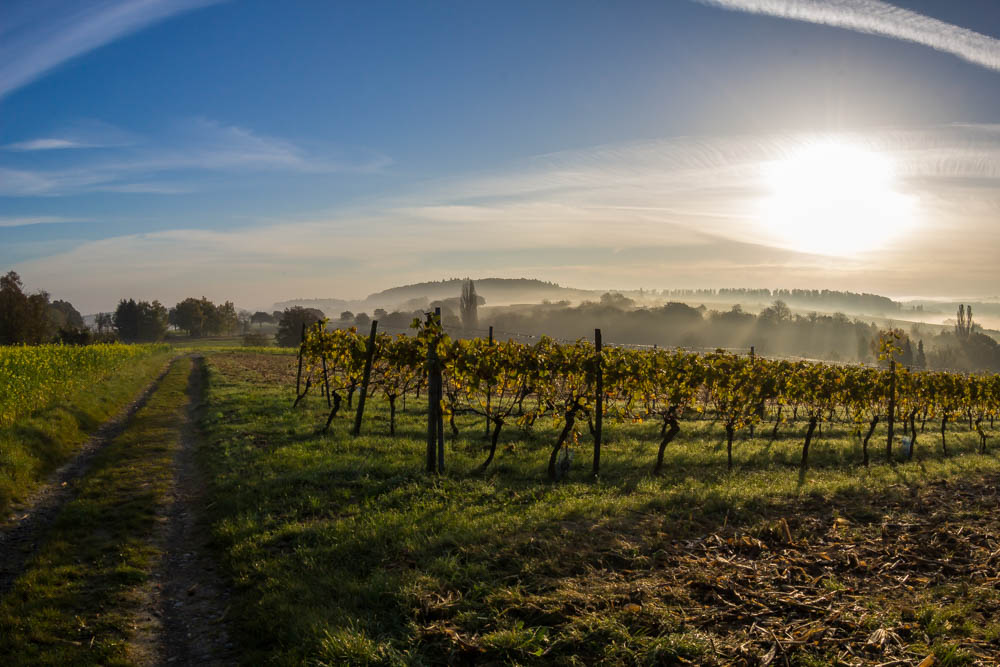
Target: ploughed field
(342,550)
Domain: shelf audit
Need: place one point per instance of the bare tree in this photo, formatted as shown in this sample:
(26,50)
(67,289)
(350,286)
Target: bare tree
(469,305)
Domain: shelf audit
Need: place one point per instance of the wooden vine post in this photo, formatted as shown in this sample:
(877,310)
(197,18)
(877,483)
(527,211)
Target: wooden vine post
(440,395)
(435,418)
(488,394)
(431,407)
(326,382)
(760,409)
(302,347)
(892,409)
(598,401)
(365,378)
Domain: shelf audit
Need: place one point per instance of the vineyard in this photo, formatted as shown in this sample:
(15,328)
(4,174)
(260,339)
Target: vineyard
(582,383)
(32,378)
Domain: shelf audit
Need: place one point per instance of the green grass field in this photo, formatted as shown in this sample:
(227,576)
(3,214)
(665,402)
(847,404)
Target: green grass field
(343,551)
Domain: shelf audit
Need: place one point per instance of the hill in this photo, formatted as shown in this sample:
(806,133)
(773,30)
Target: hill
(496,292)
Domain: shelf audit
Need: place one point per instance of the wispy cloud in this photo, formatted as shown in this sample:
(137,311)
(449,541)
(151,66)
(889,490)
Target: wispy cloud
(879,18)
(46,144)
(165,166)
(23,221)
(680,212)
(39,35)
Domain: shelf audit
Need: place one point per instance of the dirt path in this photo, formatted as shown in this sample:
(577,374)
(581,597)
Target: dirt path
(182,612)
(22,530)
(178,617)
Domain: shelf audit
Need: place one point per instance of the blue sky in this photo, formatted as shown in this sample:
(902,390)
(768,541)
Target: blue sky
(257,151)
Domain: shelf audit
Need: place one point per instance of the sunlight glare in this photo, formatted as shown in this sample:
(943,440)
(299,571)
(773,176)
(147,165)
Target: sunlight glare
(834,198)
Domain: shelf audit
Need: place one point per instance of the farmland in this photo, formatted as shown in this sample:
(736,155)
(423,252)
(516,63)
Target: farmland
(36,377)
(340,549)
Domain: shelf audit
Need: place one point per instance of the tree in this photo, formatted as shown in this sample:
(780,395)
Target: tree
(226,320)
(963,327)
(617,300)
(291,322)
(126,320)
(906,358)
(920,359)
(361,320)
(469,305)
(140,321)
(777,312)
(24,319)
(64,316)
(380,314)
(260,317)
(201,317)
(244,318)
(191,315)
(68,323)
(103,322)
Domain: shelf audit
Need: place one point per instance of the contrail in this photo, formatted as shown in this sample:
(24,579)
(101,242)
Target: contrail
(878,18)
(36,37)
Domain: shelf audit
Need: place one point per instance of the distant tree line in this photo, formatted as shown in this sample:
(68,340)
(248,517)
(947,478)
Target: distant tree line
(775,331)
(813,298)
(32,319)
(145,321)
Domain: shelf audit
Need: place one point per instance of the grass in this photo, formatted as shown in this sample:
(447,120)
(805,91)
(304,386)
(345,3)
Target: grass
(229,344)
(35,445)
(74,603)
(344,552)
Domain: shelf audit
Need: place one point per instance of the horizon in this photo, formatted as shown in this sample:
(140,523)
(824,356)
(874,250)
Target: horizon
(251,152)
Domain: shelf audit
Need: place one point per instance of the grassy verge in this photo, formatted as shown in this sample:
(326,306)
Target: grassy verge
(72,605)
(344,552)
(38,444)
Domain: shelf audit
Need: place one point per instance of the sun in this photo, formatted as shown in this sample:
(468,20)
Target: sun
(832,197)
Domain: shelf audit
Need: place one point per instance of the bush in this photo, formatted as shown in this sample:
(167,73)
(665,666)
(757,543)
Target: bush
(74,336)
(256,339)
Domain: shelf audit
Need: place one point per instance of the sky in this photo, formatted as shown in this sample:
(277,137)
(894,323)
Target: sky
(257,151)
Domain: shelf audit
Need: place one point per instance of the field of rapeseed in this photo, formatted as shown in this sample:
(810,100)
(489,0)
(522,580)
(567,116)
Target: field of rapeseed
(33,378)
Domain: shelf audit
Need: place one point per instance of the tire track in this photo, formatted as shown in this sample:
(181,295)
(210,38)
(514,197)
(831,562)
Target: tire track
(182,615)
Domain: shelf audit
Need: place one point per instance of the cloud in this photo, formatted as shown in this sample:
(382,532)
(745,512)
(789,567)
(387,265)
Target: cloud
(678,212)
(39,35)
(22,221)
(878,18)
(47,144)
(191,146)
